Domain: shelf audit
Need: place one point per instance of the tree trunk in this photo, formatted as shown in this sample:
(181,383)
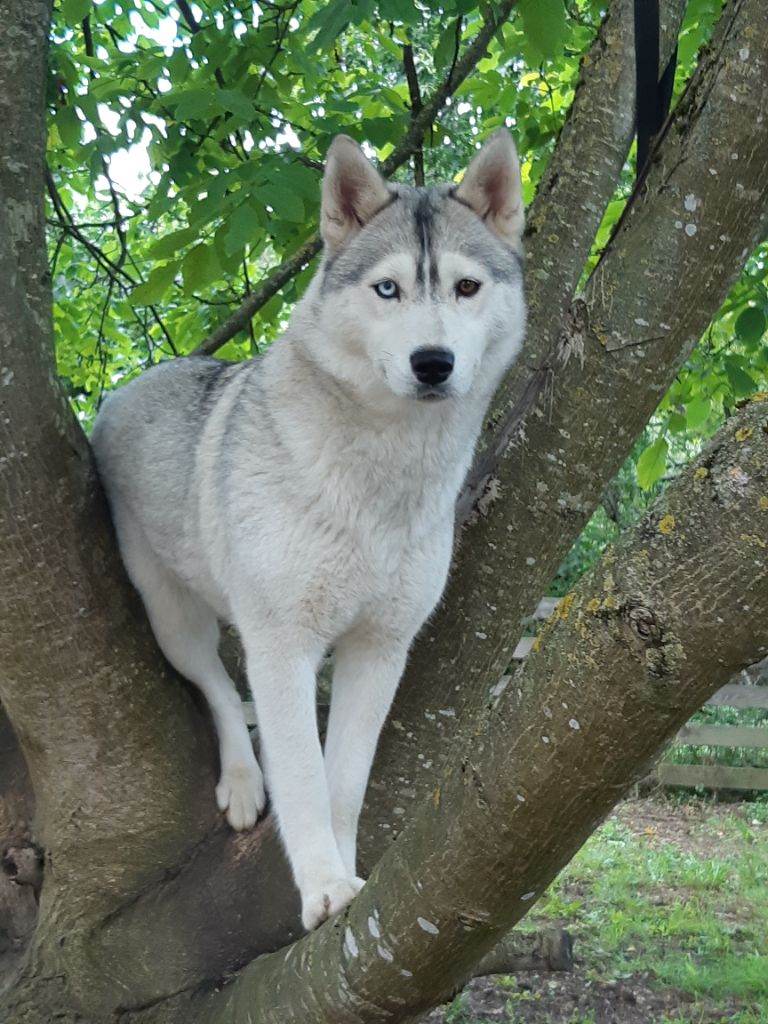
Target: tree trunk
(144,887)
(625,660)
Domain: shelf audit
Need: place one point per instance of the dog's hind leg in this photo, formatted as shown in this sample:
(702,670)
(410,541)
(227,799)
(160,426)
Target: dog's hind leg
(187,631)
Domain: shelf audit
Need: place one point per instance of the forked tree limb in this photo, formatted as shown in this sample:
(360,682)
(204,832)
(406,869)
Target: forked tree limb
(703,209)
(569,206)
(411,143)
(629,655)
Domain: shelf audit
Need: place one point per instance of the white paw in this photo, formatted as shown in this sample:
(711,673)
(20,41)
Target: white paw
(240,793)
(327,900)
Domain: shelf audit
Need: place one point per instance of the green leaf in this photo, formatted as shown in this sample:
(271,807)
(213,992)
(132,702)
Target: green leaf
(544,25)
(195,103)
(200,267)
(329,20)
(283,201)
(170,244)
(156,285)
(400,10)
(236,103)
(697,412)
(750,325)
(446,47)
(652,463)
(76,10)
(742,384)
(244,224)
(676,423)
(70,127)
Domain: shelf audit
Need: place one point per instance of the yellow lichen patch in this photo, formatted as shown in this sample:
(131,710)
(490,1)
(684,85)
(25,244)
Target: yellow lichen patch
(743,433)
(760,396)
(436,797)
(593,605)
(763,503)
(667,525)
(610,603)
(536,645)
(563,610)
(752,538)
(701,473)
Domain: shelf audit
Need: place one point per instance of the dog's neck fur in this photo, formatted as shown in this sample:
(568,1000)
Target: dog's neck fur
(417,452)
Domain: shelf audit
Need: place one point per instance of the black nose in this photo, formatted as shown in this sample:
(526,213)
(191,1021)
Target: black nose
(432,365)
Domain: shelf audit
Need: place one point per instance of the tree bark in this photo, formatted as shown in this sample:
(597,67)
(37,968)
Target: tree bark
(18,907)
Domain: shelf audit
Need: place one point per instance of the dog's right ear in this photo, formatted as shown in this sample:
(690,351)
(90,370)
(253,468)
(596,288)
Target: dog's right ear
(353,191)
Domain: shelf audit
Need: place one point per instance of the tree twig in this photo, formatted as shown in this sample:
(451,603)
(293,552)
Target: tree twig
(119,221)
(548,950)
(414,91)
(115,270)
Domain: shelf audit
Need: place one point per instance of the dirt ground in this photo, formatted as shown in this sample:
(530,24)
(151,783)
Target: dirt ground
(561,999)
(577,998)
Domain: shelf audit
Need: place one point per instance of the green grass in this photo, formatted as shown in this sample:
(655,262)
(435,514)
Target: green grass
(686,916)
(691,921)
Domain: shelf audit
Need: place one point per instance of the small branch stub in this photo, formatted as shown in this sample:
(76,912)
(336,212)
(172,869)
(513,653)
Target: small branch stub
(24,866)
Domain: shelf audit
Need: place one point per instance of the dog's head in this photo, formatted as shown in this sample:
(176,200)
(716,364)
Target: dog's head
(420,291)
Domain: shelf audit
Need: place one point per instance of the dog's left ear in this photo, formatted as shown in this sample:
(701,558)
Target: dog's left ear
(492,187)
(353,191)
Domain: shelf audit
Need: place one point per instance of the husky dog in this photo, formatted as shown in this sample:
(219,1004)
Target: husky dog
(308,496)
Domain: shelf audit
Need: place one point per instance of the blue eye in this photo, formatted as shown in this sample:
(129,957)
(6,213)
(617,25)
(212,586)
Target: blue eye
(387,289)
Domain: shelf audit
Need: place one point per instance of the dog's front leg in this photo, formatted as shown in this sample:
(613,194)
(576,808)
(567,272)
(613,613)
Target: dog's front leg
(281,672)
(366,673)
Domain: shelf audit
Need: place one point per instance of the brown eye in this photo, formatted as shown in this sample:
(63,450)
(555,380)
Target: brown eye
(466,288)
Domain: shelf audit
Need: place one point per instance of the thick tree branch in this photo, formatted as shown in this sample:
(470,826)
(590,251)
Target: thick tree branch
(630,654)
(563,220)
(410,143)
(78,661)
